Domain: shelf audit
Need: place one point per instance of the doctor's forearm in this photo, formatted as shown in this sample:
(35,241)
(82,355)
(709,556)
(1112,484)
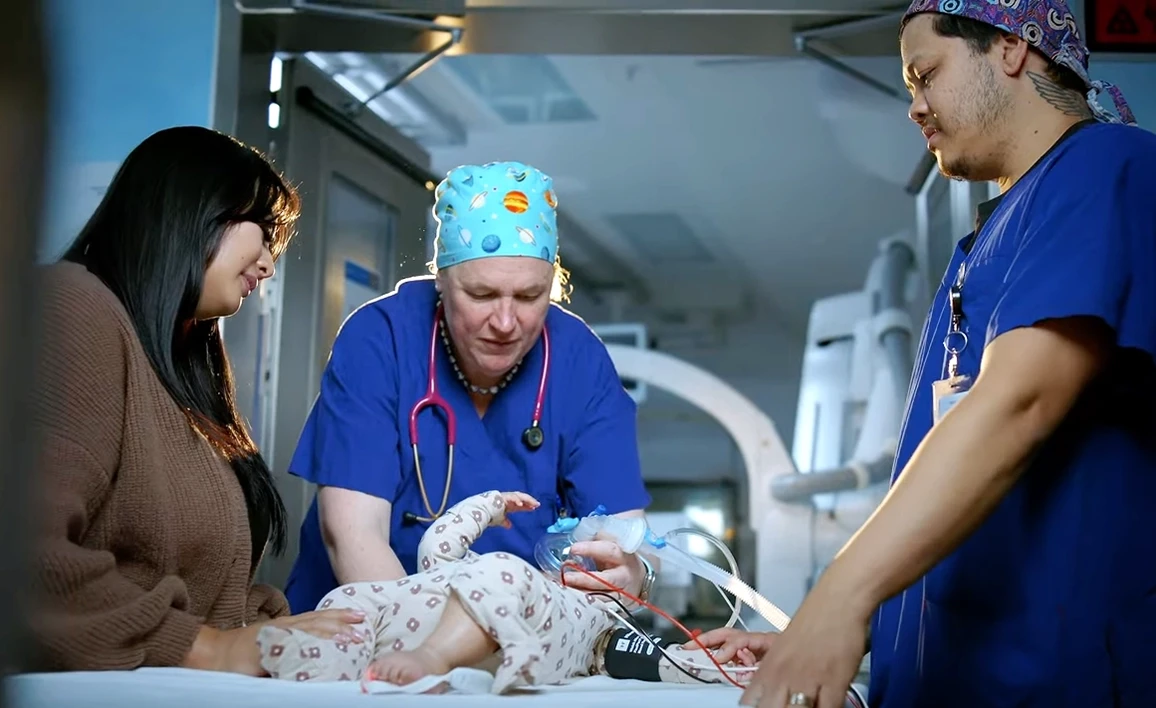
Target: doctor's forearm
(367,557)
(956,477)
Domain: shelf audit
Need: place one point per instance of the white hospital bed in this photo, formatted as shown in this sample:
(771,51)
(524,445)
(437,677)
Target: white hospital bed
(185,688)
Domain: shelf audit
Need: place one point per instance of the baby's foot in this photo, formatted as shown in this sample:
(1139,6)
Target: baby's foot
(404,667)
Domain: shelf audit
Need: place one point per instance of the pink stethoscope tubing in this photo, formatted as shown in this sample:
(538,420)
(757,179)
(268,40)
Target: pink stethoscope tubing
(434,399)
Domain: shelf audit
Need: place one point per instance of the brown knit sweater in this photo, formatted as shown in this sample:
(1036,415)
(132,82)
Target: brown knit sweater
(144,534)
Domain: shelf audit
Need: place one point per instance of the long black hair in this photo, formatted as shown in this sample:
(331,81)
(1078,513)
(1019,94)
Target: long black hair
(150,240)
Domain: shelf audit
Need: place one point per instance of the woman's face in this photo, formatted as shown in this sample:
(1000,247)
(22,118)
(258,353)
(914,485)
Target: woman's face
(241,263)
(495,309)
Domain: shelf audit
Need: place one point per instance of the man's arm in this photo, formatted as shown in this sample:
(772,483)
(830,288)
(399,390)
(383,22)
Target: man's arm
(355,530)
(1085,252)
(1029,379)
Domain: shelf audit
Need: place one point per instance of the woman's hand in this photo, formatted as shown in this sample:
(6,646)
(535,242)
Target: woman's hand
(618,568)
(730,644)
(817,655)
(235,650)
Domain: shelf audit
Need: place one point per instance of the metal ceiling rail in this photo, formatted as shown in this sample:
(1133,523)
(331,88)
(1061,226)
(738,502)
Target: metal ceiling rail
(354,108)
(804,44)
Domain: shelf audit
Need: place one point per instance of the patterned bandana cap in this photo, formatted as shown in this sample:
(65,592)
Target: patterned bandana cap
(497,209)
(1047,25)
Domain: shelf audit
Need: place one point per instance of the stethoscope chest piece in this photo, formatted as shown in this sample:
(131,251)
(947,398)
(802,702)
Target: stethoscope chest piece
(533,437)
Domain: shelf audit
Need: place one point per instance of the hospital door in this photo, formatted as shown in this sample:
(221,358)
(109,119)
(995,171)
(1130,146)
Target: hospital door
(362,228)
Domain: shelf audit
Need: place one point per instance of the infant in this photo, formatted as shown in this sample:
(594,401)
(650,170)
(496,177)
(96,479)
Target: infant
(491,611)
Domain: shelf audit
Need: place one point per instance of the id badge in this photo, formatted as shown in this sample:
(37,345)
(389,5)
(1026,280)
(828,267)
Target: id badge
(946,393)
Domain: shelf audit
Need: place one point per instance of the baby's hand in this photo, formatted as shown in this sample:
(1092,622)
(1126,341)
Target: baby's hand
(517,501)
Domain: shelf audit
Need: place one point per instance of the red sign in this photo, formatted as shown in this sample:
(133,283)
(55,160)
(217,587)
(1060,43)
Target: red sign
(1121,25)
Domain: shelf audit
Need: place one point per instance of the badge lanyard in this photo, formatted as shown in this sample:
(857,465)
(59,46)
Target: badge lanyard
(947,392)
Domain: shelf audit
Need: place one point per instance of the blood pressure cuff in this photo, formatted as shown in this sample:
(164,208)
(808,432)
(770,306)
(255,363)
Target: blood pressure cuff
(629,655)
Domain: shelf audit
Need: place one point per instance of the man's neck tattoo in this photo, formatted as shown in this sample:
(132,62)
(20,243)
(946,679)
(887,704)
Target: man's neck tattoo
(1063,100)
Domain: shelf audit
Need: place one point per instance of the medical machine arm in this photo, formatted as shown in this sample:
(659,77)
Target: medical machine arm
(801,487)
(895,263)
(891,331)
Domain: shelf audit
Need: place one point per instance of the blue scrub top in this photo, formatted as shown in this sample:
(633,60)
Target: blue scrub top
(357,434)
(1052,600)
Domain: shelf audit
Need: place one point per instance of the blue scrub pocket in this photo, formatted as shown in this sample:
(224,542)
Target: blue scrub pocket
(1132,649)
(983,286)
(546,514)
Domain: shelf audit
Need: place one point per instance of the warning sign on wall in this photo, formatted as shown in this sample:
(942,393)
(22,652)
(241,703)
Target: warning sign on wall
(1121,25)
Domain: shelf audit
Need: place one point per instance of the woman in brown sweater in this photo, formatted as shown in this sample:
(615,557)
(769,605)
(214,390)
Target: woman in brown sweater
(158,506)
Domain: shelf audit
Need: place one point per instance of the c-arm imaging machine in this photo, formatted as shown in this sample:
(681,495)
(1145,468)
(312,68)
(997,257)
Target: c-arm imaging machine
(803,505)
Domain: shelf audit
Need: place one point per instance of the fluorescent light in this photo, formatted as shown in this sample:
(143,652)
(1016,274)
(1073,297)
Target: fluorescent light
(274,115)
(275,76)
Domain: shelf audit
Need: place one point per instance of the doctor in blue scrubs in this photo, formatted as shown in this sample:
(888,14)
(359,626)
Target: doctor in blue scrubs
(1013,562)
(480,356)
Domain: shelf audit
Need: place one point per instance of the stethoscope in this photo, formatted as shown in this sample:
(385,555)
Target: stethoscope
(532,437)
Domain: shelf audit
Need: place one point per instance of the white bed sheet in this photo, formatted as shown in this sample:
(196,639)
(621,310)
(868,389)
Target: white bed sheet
(186,688)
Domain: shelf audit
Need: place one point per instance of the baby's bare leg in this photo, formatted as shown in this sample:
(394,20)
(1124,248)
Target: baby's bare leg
(457,641)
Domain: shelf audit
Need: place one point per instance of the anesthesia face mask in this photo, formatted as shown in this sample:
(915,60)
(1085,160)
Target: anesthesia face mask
(552,552)
(633,535)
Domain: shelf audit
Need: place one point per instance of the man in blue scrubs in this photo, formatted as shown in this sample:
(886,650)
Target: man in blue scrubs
(536,403)
(1013,562)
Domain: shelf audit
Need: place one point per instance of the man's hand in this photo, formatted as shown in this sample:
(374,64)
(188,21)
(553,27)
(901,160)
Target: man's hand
(1029,379)
(730,644)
